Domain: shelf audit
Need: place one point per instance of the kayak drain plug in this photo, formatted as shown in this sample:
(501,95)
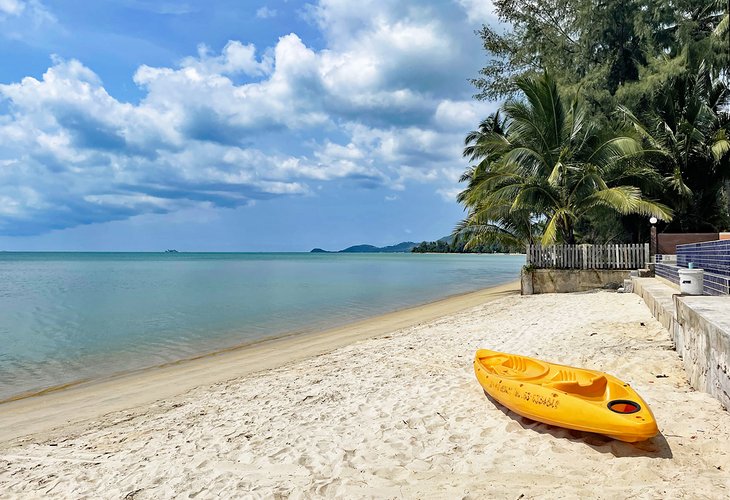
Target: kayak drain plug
(623,406)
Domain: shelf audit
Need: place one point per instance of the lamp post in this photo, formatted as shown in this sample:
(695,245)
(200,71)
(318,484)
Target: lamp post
(652,238)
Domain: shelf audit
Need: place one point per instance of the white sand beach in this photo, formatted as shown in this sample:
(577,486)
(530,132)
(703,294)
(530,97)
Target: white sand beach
(396,416)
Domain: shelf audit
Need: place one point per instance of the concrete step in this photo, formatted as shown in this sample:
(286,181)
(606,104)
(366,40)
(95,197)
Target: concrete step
(659,299)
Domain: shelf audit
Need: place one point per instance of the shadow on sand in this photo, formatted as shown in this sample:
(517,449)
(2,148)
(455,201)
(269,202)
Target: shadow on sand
(656,447)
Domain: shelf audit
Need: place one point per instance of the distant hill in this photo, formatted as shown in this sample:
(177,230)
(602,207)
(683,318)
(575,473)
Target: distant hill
(442,245)
(403,247)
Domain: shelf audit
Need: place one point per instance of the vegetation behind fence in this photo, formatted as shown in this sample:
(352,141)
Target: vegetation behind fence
(630,256)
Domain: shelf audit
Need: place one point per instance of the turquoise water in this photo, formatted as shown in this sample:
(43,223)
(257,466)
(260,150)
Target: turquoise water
(72,316)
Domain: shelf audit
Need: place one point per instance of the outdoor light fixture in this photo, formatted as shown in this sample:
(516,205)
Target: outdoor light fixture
(653,220)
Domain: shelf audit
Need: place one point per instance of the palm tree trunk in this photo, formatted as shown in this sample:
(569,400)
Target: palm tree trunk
(566,230)
(571,236)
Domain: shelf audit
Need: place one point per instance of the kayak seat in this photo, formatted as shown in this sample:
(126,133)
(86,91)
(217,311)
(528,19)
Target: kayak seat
(579,384)
(514,367)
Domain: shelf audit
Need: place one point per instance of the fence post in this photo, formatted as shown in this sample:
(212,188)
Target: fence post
(631,259)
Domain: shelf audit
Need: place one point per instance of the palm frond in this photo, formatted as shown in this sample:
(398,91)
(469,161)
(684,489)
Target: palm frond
(559,218)
(676,182)
(615,150)
(627,200)
(720,147)
(722,28)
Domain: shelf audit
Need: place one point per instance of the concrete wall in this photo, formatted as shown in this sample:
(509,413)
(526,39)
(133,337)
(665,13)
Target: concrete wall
(574,280)
(701,332)
(700,328)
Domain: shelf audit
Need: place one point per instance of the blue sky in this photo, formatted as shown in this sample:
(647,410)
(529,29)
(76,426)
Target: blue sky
(234,126)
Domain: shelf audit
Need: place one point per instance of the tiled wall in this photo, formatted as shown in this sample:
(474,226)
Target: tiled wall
(713,257)
(714,284)
(667,271)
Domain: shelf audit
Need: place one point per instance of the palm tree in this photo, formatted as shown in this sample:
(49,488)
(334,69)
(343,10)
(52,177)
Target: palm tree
(492,223)
(548,166)
(489,223)
(687,140)
(476,141)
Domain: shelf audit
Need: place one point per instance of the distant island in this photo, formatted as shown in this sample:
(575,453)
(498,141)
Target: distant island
(443,245)
(404,247)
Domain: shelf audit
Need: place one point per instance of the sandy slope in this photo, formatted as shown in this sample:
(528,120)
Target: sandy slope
(402,416)
(93,399)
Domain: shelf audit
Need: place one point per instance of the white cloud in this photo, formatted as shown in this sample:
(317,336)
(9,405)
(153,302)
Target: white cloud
(20,19)
(448,194)
(384,103)
(234,58)
(479,11)
(452,115)
(395,45)
(11,7)
(265,13)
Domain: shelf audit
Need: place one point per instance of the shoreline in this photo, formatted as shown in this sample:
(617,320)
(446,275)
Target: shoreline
(30,413)
(398,415)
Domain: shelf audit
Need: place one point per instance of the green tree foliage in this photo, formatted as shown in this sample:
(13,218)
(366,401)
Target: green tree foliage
(548,164)
(686,132)
(455,246)
(661,64)
(439,246)
(600,48)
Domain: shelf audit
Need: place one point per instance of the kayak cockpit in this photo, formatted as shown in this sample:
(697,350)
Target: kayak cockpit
(514,367)
(587,385)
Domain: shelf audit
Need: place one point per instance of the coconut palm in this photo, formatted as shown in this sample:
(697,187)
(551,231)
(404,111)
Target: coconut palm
(489,223)
(476,141)
(549,166)
(687,140)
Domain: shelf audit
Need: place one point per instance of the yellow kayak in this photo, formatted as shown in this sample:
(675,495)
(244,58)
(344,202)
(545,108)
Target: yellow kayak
(565,396)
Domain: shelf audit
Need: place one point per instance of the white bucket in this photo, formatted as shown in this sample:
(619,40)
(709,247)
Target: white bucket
(691,281)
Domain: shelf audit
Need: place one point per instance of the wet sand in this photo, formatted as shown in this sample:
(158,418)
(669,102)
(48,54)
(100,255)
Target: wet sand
(79,402)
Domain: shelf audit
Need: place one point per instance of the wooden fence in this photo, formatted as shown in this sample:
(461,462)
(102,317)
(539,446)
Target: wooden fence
(630,256)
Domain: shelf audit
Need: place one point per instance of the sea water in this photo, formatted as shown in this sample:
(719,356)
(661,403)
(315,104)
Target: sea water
(66,317)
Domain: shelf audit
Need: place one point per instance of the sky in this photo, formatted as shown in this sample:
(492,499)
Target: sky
(135,125)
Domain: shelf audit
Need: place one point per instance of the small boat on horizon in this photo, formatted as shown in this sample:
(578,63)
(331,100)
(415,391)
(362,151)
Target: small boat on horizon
(565,396)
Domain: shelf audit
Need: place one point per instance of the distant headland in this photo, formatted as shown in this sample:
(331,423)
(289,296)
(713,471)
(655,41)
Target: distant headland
(447,244)
(404,247)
